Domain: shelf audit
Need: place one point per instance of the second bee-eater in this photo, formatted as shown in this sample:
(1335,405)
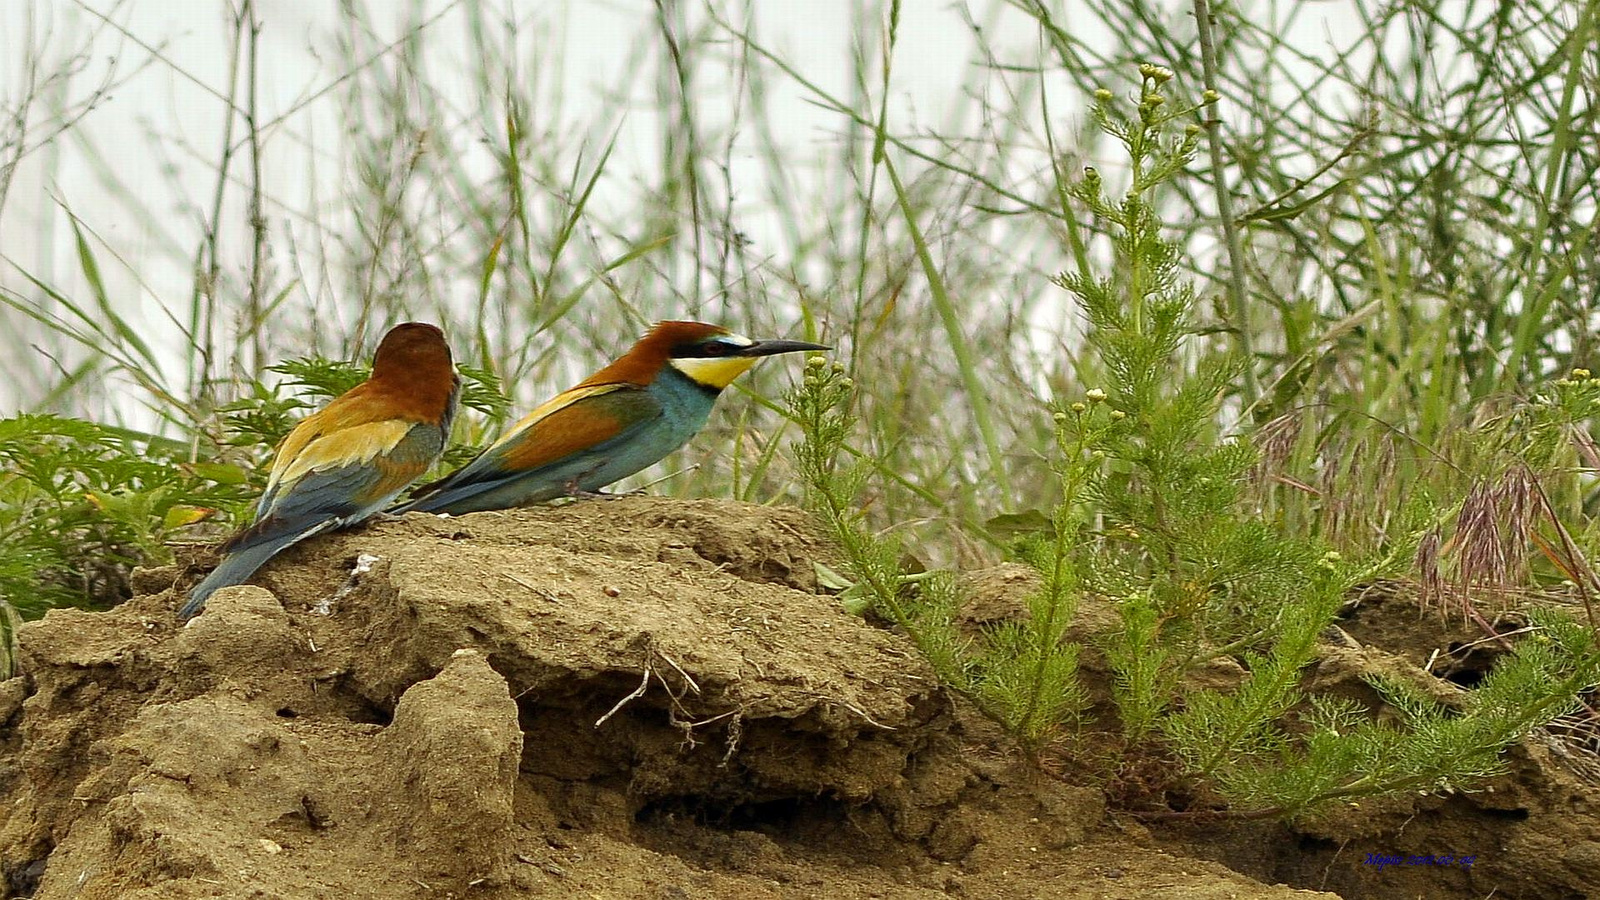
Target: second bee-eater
(349,460)
(619,420)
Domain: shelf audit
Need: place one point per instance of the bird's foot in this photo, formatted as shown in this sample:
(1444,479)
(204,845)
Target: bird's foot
(578,493)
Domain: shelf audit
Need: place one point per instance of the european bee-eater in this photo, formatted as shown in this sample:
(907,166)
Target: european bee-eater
(349,460)
(617,421)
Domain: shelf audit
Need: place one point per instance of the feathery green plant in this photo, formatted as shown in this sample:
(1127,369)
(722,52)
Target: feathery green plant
(1198,578)
(1344,753)
(81,504)
(1154,515)
(1028,670)
(923,606)
(1194,577)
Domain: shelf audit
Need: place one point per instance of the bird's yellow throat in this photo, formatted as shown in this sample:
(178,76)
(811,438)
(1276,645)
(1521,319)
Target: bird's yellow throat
(716,372)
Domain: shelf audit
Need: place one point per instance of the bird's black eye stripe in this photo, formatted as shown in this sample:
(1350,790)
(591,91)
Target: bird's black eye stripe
(702,349)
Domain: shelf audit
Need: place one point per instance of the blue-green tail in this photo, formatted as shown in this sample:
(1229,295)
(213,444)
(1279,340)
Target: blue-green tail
(244,555)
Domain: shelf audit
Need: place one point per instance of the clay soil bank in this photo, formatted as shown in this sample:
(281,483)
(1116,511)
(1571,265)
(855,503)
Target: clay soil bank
(635,698)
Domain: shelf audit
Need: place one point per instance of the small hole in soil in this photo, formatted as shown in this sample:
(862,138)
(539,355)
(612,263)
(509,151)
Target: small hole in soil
(1312,844)
(767,816)
(370,714)
(1507,815)
(1468,667)
(1467,678)
(287,713)
(23,880)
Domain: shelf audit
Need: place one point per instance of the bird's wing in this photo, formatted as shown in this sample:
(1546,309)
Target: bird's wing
(556,404)
(289,449)
(598,414)
(343,473)
(577,420)
(346,446)
(384,423)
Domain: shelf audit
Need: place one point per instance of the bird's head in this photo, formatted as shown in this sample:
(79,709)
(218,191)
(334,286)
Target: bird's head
(413,362)
(713,356)
(411,347)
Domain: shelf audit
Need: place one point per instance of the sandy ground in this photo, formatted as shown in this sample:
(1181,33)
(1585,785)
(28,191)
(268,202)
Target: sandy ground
(638,698)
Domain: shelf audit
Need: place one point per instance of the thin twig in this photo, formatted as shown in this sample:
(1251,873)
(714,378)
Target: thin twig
(203,312)
(679,669)
(637,693)
(258,222)
(691,145)
(1230,227)
(537,590)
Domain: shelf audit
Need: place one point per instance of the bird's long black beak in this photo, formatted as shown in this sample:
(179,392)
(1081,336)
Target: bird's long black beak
(768,348)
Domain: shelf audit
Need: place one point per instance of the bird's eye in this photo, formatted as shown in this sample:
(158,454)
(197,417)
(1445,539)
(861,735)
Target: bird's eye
(715,348)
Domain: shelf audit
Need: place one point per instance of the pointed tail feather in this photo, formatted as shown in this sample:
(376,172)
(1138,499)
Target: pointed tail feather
(437,499)
(436,495)
(403,508)
(243,558)
(426,497)
(478,496)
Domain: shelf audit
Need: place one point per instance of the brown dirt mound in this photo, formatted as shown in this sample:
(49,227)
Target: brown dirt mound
(635,698)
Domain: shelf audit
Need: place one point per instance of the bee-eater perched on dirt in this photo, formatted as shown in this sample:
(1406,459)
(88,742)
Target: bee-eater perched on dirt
(349,460)
(617,421)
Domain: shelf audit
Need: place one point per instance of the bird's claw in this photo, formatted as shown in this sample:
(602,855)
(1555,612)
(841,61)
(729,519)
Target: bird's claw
(578,493)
